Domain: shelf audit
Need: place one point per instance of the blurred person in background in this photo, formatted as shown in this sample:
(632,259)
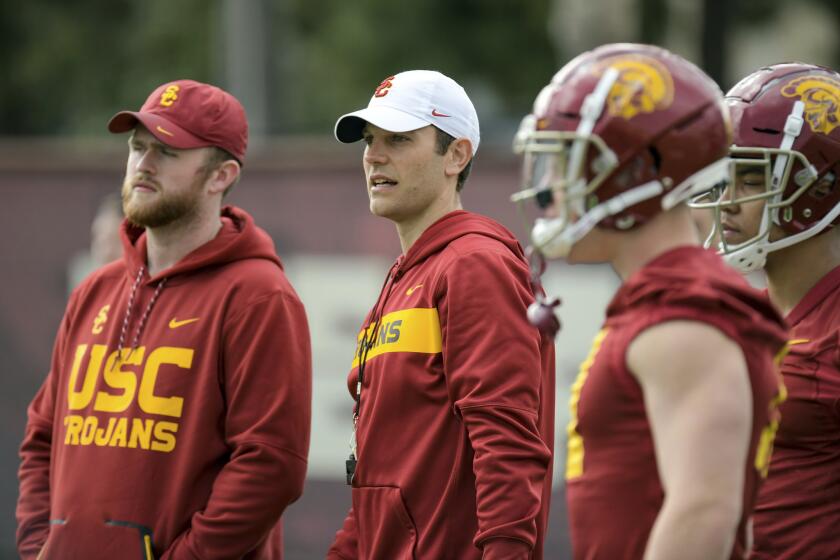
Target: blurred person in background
(673,411)
(454,390)
(174,421)
(781,215)
(105,242)
(105,245)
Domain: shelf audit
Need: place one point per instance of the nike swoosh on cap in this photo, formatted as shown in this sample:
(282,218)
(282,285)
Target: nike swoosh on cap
(163,130)
(436,114)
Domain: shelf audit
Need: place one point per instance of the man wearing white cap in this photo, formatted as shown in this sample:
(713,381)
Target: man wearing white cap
(453,389)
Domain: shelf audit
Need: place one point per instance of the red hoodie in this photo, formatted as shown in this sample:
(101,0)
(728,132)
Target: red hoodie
(457,405)
(192,447)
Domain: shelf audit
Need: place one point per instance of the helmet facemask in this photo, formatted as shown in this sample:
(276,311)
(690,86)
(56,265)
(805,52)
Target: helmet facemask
(553,171)
(553,178)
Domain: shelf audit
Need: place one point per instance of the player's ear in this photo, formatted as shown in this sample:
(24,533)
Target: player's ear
(223,176)
(458,155)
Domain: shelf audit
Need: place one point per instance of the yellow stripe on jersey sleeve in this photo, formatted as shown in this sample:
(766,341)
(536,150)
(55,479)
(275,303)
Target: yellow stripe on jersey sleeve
(574,445)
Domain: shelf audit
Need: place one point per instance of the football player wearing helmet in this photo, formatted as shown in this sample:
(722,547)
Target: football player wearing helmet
(672,413)
(781,214)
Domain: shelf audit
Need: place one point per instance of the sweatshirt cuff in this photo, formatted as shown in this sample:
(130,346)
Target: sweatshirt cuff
(501,548)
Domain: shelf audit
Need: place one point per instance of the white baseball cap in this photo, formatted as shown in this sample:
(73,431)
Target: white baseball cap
(412,100)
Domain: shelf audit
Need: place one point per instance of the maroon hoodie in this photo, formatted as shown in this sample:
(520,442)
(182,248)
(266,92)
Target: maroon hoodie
(457,405)
(194,444)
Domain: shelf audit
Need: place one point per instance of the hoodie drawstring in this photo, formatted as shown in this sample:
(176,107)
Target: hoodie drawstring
(365,345)
(143,317)
(364,348)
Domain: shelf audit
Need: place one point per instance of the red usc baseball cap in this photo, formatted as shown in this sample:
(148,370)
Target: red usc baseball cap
(188,114)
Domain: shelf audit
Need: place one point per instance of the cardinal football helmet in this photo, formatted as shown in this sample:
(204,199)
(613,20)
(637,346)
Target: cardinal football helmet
(786,120)
(620,134)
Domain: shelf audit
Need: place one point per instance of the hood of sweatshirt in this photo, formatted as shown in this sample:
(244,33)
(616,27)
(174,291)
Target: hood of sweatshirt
(238,239)
(433,240)
(450,227)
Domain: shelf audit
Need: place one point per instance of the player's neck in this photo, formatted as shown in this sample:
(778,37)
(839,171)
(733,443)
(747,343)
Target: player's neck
(664,232)
(409,230)
(169,244)
(792,272)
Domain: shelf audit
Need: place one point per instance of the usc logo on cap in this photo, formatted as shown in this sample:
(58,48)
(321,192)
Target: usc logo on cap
(382,89)
(644,85)
(169,95)
(821,96)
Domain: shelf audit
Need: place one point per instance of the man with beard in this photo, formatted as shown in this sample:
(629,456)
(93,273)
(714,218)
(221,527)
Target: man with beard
(174,421)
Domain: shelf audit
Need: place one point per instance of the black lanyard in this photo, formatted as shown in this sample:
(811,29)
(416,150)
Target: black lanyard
(364,348)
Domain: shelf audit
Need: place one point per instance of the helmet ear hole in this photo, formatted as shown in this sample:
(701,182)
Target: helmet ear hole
(640,169)
(657,158)
(824,186)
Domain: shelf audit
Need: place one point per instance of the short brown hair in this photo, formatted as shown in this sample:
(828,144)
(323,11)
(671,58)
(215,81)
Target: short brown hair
(442,143)
(214,160)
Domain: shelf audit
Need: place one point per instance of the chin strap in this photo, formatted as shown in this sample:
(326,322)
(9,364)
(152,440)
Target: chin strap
(558,242)
(793,127)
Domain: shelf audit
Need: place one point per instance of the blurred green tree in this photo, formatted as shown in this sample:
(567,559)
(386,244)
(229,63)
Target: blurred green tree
(498,50)
(70,65)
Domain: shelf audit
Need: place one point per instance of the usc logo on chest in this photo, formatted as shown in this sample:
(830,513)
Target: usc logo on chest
(128,376)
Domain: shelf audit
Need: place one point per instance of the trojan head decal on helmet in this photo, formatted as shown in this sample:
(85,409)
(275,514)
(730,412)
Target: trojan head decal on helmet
(620,134)
(787,145)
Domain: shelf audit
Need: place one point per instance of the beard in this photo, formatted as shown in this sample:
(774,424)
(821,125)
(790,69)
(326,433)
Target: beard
(164,208)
